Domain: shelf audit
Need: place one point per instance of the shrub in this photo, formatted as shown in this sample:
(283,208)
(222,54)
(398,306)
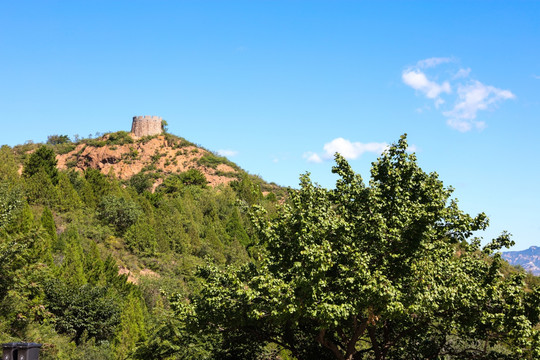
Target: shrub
(193,177)
(140,182)
(119,138)
(212,160)
(71,163)
(57,139)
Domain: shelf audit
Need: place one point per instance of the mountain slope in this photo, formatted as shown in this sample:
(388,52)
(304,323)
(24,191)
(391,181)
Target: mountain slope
(528,259)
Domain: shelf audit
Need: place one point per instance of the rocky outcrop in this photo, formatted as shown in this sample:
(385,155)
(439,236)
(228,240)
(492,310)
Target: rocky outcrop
(157,154)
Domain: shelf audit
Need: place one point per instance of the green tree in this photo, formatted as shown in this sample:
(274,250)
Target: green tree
(141,182)
(131,329)
(193,177)
(118,212)
(141,238)
(83,312)
(99,185)
(235,229)
(72,268)
(247,190)
(68,199)
(15,253)
(11,203)
(8,165)
(43,158)
(93,264)
(385,271)
(171,184)
(164,126)
(47,222)
(40,189)
(176,182)
(57,139)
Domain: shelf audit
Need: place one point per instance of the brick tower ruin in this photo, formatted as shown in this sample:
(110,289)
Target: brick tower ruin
(146,125)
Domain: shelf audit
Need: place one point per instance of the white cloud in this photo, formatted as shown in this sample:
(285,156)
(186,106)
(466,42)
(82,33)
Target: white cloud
(419,81)
(462,73)
(432,62)
(348,149)
(227,153)
(312,157)
(459,125)
(412,148)
(472,98)
(537,77)
(351,150)
(423,109)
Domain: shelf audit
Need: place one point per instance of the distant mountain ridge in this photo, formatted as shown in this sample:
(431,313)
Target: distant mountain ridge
(528,259)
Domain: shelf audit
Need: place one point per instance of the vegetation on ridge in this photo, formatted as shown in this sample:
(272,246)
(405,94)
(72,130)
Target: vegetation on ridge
(98,267)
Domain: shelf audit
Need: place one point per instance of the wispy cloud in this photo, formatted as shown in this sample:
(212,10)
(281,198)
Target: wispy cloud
(312,157)
(432,62)
(350,150)
(537,77)
(227,153)
(470,97)
(412,148)
(462,73)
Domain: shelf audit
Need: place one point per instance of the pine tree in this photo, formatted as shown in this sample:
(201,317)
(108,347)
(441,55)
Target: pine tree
(72,267)
(47,222)
(131,329)
(68,199)
(44,159)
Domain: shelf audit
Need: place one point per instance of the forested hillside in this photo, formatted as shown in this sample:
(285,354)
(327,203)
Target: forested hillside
(190,257)
(88,259)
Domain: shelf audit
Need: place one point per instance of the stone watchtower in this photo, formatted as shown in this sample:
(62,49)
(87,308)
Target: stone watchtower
(146,125)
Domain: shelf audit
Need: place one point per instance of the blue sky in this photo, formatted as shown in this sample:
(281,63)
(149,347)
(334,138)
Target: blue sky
(279,85)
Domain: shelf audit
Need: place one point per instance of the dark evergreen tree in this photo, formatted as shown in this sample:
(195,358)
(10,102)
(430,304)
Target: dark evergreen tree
(44,159)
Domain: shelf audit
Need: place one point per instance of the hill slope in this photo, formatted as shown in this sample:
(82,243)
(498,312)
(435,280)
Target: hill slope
(89,259)
(164,154)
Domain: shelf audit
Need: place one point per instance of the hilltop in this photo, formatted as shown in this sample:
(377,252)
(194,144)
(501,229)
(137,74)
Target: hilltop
(124,155)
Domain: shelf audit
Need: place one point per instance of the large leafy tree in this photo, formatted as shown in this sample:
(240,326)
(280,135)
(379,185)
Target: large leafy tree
(83,311)
(388,270)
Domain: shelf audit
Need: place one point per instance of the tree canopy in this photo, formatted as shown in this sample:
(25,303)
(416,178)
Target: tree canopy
(388,270)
